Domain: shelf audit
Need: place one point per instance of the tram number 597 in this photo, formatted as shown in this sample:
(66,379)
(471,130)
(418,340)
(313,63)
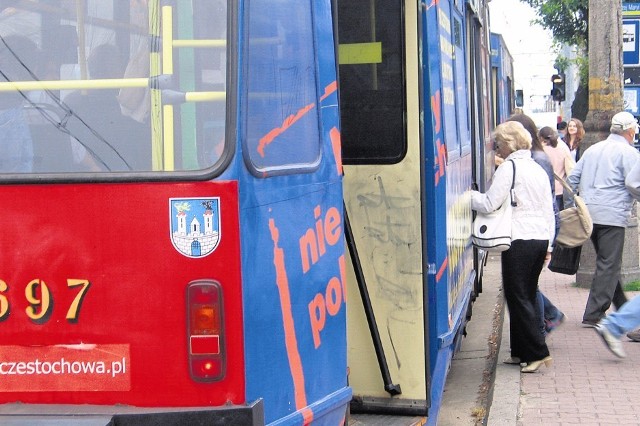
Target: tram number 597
(40,300)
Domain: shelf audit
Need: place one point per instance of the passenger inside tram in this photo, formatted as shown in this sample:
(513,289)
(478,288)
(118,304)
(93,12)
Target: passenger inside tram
(102,138)
(18,56)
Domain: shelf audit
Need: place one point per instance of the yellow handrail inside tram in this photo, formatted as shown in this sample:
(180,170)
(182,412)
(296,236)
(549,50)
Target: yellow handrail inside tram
(105,83)
(200,43)
(156,97)
(82,43)
(101,84)
(167,69)
(204,96)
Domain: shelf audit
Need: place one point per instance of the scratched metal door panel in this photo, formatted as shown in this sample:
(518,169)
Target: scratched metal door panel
(383,203)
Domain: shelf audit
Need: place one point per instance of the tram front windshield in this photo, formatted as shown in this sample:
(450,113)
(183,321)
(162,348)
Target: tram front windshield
(101,86)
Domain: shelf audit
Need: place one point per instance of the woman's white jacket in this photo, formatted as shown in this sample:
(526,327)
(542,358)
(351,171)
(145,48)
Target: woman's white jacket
(533,217)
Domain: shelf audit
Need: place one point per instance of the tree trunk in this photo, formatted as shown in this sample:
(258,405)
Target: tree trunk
(580,105)
(606,75)
(606,70)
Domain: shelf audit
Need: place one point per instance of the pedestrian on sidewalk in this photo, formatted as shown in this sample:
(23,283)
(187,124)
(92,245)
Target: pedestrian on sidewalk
(599,177)
(614,325)
(562,129)
(632,182)
(573,138)
(532,230)
(561,160)
(550,316)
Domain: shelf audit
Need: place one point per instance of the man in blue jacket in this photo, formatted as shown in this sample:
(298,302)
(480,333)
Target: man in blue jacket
(600,177)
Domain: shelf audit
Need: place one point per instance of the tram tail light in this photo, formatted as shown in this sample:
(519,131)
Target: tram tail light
(205,331)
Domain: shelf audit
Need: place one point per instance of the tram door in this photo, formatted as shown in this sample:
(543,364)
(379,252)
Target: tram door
(410,154)
(379,101)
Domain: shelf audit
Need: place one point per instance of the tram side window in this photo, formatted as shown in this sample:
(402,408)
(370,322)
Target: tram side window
(281,104)
(110,88)
(372,93)
(462,111)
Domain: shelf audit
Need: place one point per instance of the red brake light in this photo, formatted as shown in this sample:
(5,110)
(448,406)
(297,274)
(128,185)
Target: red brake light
(207,357)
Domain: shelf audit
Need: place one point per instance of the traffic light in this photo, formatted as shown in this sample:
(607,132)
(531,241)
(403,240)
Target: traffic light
(558,90)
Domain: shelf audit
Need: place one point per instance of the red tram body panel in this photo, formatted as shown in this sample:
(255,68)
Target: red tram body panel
(95,287)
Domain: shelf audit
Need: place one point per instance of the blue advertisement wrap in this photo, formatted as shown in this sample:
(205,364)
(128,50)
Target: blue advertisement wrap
(291,218)
(447,145)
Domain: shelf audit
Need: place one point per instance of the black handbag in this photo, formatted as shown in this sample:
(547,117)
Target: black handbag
(565,260)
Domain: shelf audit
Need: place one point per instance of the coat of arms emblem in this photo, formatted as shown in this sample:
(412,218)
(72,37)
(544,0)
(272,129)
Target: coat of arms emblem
(195,225)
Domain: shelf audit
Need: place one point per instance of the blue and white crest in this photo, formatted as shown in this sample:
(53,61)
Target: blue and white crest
(195,225)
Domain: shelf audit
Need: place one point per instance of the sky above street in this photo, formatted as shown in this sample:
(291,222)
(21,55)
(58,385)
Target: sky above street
(529,44)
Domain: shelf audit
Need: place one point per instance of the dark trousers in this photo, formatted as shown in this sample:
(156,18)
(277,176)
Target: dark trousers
(606,287)
(560,202)
(521,267)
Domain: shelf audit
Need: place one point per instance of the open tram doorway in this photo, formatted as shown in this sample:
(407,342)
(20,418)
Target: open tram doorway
(379,102)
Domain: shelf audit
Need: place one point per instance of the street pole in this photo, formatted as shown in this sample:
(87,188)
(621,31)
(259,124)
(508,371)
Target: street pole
(605,68)
(606,73)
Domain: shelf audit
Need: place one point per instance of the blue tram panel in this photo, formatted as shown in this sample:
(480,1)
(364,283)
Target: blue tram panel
(291,214)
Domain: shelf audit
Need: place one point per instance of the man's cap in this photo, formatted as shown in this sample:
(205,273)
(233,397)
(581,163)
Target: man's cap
(623,121)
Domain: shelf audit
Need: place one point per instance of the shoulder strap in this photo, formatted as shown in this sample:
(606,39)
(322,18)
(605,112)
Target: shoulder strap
(564,184)
(513,182)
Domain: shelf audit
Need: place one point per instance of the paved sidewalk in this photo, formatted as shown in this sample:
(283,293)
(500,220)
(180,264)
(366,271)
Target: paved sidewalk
(467,392)
(586,385)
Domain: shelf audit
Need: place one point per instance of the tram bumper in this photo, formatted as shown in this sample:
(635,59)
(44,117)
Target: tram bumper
(84,415)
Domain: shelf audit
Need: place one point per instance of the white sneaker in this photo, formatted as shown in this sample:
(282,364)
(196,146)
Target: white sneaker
(613,343)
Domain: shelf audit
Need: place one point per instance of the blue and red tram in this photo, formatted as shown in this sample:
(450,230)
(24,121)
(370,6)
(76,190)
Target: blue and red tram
(173,239)
(175,207)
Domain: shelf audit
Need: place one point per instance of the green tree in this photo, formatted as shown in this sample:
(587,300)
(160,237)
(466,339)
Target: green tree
(568,22)
(566,19)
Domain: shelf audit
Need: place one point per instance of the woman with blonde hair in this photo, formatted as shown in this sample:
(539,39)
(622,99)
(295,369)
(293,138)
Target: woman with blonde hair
(574,136)
(532,230)
(550,316)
